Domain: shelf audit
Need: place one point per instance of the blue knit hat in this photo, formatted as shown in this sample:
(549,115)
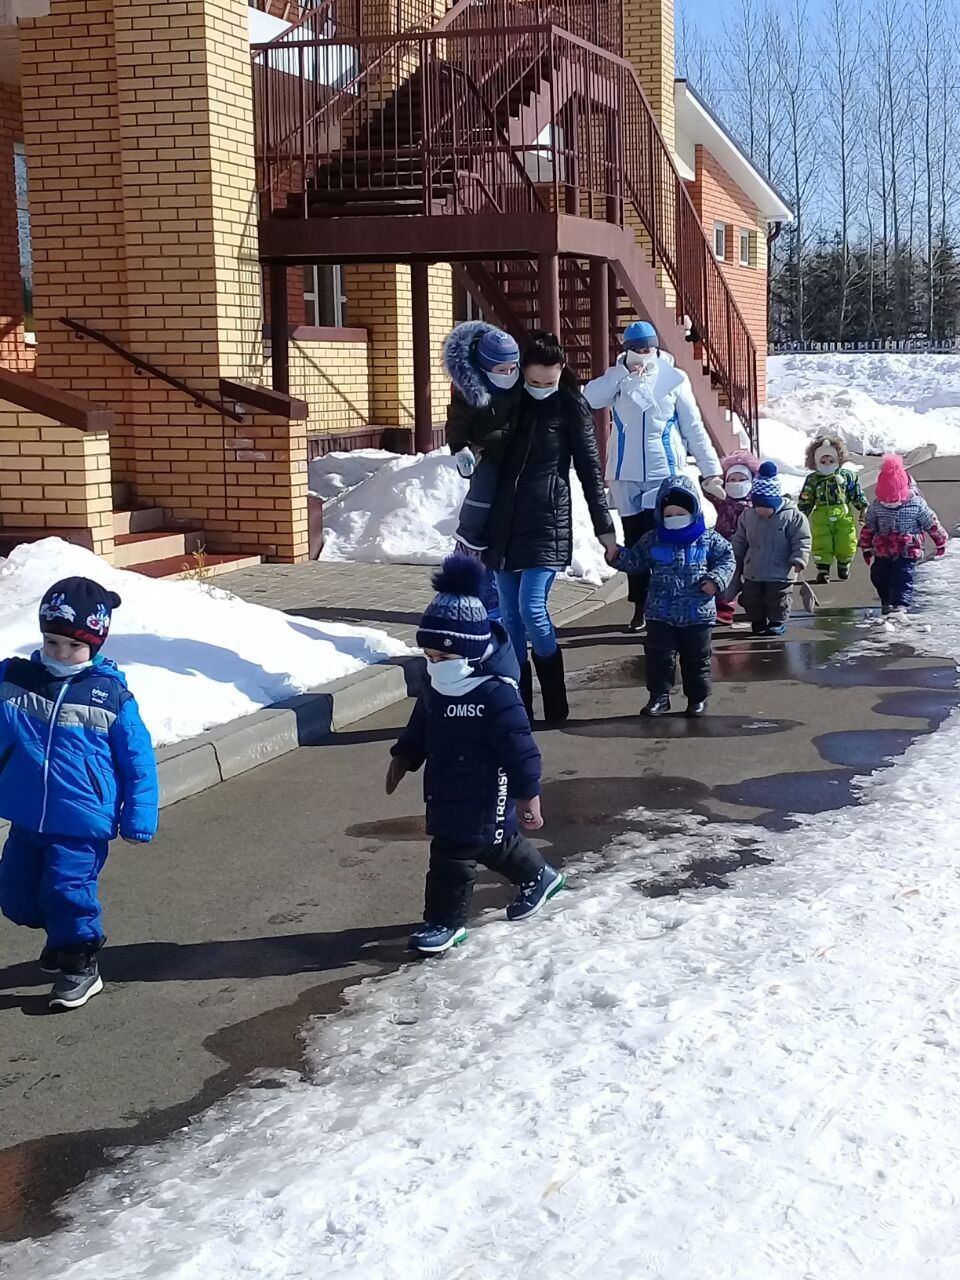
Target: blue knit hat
(640,334)
(766,487)
(80,609)
(496,347)
(456,620)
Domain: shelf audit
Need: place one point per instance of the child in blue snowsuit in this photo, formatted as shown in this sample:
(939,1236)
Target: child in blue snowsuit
(689,567)
(470,728)
(76,769)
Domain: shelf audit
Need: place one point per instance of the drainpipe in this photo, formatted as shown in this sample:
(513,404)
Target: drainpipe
(774,234)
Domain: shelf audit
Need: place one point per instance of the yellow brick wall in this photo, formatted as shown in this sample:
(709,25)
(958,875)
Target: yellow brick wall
(54,477)
(334,379)
(140,148)
(649,43)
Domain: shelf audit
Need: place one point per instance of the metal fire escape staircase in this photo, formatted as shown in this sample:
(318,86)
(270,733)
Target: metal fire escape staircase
(511,139)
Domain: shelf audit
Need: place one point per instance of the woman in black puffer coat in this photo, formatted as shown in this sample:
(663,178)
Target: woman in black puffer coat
(530,531)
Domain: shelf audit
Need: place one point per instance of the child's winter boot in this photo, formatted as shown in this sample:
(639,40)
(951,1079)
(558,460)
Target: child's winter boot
(79,979)
(536,894)
(823,575)
(843,571)
(658,705)
(434,939)
(526,689)
(696,709)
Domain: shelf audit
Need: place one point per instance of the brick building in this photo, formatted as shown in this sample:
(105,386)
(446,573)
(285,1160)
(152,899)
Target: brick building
(739,209)
(252,223)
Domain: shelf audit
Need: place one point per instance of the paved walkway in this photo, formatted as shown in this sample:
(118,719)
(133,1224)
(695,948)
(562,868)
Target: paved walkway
(390,597)
(265,897)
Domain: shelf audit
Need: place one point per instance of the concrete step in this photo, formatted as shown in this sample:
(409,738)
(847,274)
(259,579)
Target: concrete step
(154,544)
(131,520)
(210,566)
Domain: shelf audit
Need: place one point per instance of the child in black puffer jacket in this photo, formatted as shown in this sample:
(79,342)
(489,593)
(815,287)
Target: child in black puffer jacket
(470,728)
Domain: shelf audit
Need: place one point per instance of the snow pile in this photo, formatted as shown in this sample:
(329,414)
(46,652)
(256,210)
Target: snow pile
(337,473)
(786,446)
(876,402)
(728,1085)
(406,510)
(194,655)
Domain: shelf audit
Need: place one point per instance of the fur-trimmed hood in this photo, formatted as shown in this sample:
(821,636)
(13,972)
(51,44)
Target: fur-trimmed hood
(835,443)
(460,362)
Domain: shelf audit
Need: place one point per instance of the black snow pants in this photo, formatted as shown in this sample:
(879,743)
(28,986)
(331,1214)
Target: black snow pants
(663,644)
(454,868)
(767,603)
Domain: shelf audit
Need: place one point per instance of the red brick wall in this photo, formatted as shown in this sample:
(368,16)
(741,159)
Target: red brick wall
(14,353)
(717,198)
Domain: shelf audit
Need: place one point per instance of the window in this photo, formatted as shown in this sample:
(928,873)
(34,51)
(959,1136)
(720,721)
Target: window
(746,249)
(720,240)
(323,297)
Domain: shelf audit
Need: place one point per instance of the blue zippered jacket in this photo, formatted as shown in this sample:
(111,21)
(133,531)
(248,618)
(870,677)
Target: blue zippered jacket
(75,756)
(479,753)
(677,573)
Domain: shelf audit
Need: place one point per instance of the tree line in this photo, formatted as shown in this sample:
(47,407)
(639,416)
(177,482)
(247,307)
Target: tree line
(853,115)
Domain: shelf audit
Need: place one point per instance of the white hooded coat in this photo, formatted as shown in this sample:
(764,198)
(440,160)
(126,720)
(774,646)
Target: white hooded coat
(656,423)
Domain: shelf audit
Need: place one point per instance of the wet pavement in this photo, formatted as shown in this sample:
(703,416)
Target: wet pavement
(265,898)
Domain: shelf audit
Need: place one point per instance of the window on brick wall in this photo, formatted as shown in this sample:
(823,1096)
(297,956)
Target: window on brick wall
(323,297)
(23,231)
(720,240)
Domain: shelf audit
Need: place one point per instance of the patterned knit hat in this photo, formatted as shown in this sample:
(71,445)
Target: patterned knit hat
(496,347)
(456,620)
(893,483)
(80,609)
(766,487)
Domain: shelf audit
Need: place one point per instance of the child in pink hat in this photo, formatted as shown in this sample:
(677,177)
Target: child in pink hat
(739,470)
(892,535)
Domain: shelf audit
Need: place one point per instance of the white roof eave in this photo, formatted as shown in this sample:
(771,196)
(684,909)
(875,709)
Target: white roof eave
(699,125)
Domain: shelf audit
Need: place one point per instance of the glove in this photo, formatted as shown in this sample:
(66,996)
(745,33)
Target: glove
(466,463)
(868,558)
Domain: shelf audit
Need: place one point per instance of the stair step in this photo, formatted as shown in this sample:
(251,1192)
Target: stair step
(181,567)
(137,520)
(154,544)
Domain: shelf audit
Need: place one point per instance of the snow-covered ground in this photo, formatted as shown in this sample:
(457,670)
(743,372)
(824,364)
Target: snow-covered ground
(751,1084)
(403,509)
(876,402)
(194,655)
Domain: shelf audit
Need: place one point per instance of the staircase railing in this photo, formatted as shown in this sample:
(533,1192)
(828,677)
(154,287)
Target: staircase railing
(636,178)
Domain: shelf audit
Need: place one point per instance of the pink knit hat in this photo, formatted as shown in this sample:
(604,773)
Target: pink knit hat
(741,458)
(893,483)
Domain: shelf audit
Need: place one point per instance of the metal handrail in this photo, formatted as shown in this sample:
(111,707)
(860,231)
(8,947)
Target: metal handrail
(144,366)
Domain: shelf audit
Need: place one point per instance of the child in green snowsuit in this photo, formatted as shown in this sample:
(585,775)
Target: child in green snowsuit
(831,497)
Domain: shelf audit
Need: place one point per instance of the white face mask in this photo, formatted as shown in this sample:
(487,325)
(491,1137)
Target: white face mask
(504,381)
(738,488)
(641,363)
(890,505)
(64,669)
(827,468)
(541,393)
(677,522)
(448,677)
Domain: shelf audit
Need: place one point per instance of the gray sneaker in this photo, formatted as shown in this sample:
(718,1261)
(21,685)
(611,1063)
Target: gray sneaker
(76,984)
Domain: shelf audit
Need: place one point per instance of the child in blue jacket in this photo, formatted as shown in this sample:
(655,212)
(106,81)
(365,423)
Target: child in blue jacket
(470,728)
(689,567)
(76,769)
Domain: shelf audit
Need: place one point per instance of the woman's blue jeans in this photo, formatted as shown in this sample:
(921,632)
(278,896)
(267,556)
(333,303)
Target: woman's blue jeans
(523,608)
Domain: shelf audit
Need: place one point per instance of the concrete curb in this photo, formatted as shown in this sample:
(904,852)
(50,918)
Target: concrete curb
(196,764)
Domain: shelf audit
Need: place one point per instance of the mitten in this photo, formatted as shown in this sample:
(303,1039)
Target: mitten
(940,552)
(466,463)
(868,558)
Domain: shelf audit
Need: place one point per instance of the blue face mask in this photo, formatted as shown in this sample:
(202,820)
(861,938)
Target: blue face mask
(64,669)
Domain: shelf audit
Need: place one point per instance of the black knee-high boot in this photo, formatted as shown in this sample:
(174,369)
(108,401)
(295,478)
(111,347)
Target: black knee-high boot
(553,686)
(526,688)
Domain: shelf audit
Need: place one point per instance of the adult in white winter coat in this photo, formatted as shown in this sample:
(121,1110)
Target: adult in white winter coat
(656,424)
